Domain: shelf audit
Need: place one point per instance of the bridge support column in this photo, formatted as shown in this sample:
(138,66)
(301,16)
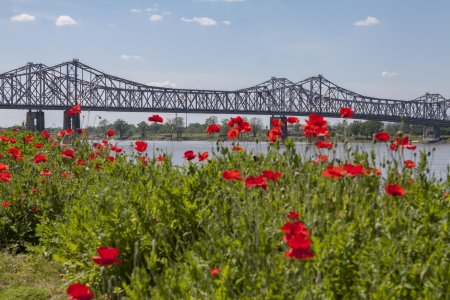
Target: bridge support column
(35,120)
(284,128)
(431,133)
(71,121)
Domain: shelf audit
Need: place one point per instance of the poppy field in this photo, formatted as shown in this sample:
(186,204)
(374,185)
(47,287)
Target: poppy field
(228,224)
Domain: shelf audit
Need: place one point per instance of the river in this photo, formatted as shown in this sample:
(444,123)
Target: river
(439,154)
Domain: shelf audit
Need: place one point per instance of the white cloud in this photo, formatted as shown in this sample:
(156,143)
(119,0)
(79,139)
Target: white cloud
(369,21)
(164,84)
(165,13)
(23,18)
(136,10)
(129,57)
(204,21)
(226,23)
(156,18)
(65,21)
(387,74)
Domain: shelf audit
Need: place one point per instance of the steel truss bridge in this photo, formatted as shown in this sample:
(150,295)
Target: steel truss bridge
(39,87)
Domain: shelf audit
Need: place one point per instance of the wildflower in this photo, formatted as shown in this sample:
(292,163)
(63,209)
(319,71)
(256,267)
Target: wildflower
(409,164)
(297,237)
(140,146)
(235,120)
(38,158)
(116,149)
(28,139)
(12,140)
(106,256)
(321,158)
(81,162)
(324,145)
(252,181)
(214,272)
(237,148)
(271,175)
(161,158)
(277,123)
(293,215)
(189,155)
(79,291)
(232,174)
(3,167)
(68,154)
(46,173)
(232,134)
(333,172)
(110,133)
(76,109)
(38,146)
(395,190)
(6,204)
(69,131)
(213,128)
(315,126)
(354,170)
(203,156)
(45,133)
(156,119)
(346,112)
(292,120)
(5,176)
(403,143)
(382,136)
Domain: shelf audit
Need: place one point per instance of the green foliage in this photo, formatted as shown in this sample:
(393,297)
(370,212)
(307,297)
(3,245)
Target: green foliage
(173,224)
(24,293)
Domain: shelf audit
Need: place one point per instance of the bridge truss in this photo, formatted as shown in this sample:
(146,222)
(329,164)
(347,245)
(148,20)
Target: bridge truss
(37,86)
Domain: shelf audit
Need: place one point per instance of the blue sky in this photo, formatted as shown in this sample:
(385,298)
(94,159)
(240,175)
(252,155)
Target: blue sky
(383,48)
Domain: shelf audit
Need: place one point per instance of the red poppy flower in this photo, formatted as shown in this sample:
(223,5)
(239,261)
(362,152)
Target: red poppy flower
(346,112)
(4,138)
(110,158)
(315,126)
(92,156)
(298,253)
(80,131)
(66,175)
(252,181)
(5,176)
(161,158)
(68,154)
(79,291)
(324,145)
(38,158)
(213,128)
(403,143)
(46,173)
(232,174)
(354,170)
(110,132)
(3,167)
(244,127)
(235,120)
(382,136)
(45,133)
(12,140)
(81,162)
(189,155)
(321,158)
(69,131)
(293,215)
(277,123)
(273,135)
(271,175)
(395,190)
(6,204)
(372,171)
(214,272)
(61,134)
(28,139)
(232,134)
(333,172)
(140,146)
(106,256)
(38,146)
(409,164)
(292,120)
(297,235)
(76,109)
(237,148)
(156,119)
(203,156)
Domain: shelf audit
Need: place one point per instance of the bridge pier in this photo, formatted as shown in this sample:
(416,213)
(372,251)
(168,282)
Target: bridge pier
(431,133)
(284,128)
(35,120)
(71,121)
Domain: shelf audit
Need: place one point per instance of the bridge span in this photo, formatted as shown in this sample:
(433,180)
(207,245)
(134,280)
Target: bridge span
(39,87)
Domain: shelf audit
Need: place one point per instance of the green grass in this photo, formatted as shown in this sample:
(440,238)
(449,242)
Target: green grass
(27,276)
